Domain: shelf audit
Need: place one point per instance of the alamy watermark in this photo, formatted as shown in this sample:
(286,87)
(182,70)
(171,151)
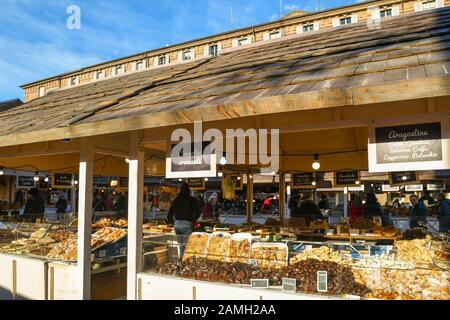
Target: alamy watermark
(256,152)
(74,20)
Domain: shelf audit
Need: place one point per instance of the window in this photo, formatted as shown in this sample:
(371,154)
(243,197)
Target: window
(243,41)
(140,65)
(41,91)
(186,55)
(385,13)
(344,21)
(99,75)
(74,81)
(213,50)
(162,60)
(275,34)
(308,28)
(119,70)
(426,5)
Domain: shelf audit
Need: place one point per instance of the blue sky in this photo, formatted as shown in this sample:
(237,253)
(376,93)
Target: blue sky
(35,42)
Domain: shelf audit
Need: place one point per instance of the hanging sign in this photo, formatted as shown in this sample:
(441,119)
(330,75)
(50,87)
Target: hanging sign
(405,177)
(436,186)
(102,181)
(409,147)
(302,180)
(388,188)
(413,187)
(346,178)
(123,182)
(196,183)
(62,180)
(195,160)
(25,182)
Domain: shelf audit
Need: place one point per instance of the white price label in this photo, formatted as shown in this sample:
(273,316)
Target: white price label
(322,281)
(260,283)
(289,285)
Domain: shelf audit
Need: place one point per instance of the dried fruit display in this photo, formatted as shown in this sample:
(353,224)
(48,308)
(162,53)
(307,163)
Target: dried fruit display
(417,250)
(240,250)
(196,245)
(417,284)
(321,254)
(270,255)
(218,246)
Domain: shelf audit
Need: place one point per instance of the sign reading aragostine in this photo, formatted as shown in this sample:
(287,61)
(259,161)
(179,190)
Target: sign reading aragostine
(409,147)
(191,161)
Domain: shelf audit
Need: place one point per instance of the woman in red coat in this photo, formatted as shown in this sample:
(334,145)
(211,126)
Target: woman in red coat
(356,208)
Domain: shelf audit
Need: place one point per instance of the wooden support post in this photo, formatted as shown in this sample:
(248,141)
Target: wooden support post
(249,198)
(282,200)
(135,214)
(85,218)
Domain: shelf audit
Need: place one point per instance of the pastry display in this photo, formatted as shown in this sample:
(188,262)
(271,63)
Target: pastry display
(321,254)
(417,250)
(240,250)
(65,251)
(218,246)
(362,224)
(273,255)
(196,245)
(106,222)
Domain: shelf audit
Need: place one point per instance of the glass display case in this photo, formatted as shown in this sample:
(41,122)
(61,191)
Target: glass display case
(409,269)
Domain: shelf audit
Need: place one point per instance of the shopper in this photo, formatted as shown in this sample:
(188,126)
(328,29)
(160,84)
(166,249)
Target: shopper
(372,207)
(122,206)
(293,204)
(444,213)
(308,210)
(418,212)
(212,209)
(61,206)
(323,202)
(35,206)
(356,209)
(183,212)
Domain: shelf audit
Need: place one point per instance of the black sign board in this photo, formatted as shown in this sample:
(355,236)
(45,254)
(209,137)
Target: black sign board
(62,180)
(401,178)
(102,182)
(302,180)
(196,183)
(191,161)
(409,143)
(346,178)
(42,184)
(25,182)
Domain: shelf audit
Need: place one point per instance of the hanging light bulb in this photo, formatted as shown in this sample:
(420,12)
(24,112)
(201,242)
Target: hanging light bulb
(206,179)
(180,180)
(404,178)
(220,174)
(36,176)
(1,171)
(314,183)
(251,176)
(316,163)
(239,177)
(46,179)
(223,160)
(127,160)
(358,182)
(75,182)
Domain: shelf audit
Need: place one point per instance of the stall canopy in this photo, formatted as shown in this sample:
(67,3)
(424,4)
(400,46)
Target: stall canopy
(366,71)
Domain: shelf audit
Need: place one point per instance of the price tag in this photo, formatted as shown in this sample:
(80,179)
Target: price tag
(260,283)
(289,285)
(102,253)
(123,251)
(322,281)
(253,262)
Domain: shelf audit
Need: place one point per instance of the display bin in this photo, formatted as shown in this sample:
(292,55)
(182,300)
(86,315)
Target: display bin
(22,278)
(156,287)
(63,281)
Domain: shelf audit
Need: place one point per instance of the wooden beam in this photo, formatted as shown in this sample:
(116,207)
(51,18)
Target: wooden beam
(85,219)
(135,214)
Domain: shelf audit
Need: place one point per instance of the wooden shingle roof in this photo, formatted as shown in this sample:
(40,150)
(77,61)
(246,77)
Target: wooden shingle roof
(355,64)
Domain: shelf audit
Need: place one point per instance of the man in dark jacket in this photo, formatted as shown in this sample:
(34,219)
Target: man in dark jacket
(308,210)
(444,213)
(35,206)
(183,212)
(418,212)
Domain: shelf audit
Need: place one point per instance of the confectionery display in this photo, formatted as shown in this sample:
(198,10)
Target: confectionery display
(106,222)
(270,255)
(417,250)
(321,254)
(196,245)
(362,224)
(65,251)
(218,246)
(240,250)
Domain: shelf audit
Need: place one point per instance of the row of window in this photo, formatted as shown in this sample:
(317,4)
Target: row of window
(214,49)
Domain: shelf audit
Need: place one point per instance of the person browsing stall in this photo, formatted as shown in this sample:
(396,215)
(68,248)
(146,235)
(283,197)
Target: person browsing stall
(212,208)
(444,213)
(35,206)
(418,212)
(372,207)
(184,211)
